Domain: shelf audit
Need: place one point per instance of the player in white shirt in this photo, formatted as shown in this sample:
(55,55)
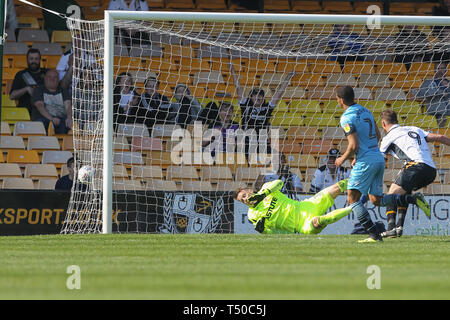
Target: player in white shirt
(407,143)
(328,174)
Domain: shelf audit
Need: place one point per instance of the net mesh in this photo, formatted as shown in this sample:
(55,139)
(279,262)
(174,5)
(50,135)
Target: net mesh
(183,90)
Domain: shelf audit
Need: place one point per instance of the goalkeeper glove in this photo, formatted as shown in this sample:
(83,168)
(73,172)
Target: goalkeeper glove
(255,199)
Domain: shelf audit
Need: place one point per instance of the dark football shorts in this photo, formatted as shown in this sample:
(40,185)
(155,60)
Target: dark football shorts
(415,176)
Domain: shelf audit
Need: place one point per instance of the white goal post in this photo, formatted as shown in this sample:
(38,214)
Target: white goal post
(316,23)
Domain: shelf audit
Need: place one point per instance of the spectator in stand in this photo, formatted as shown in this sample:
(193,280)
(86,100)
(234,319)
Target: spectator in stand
(153,107)
(410,39)
(255,111)
(25,82)
(81,59)
(224,124)
(291,182)
(124,97)
(443,9)
(188,107)
(436,94)
(66,182)
(328,174)
(53,103)
(88,97)
(129,36)
(345,45)
(11,18)
(52,21)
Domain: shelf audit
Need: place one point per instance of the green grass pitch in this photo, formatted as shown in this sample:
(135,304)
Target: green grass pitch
(223,267)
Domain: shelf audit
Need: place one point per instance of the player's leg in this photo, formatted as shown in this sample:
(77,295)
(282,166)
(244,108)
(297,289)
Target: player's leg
(359,184)
(315,208)
(392,211)
(413,178)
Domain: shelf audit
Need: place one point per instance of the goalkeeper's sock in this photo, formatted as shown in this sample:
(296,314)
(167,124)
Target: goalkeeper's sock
(401,216)
(398,200)
(334,216)
(363,216)
(391,214)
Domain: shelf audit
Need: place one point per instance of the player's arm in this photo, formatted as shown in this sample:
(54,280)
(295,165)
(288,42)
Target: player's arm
(266,189)
(352,147)
(279,93)
(436,137)
(237,84)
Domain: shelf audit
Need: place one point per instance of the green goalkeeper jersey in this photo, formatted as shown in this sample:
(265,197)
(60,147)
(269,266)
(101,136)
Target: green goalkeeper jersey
(279,212)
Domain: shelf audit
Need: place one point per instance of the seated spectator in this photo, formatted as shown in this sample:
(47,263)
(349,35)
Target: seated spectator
(25,82)
(129,36)
(52,21)
(291,181)
(255,111)
(345,45)
(436,94)
(11,17)
(224,123)
(88,98)
(66,182)
(153,107)
(53,104)
(124,97)
(188,107)
(443,9)
(328,174)
(409,39)
(82,61)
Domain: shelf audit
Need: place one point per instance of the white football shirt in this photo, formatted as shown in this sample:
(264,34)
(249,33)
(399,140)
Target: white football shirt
(407,143)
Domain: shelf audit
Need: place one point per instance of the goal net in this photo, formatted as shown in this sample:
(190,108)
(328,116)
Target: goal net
(203,107)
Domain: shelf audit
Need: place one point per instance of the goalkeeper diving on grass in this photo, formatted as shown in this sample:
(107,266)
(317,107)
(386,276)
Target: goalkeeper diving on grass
(271,211)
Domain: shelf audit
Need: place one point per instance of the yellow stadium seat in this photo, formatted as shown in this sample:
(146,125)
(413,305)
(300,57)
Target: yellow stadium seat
(421,121)
(7,102)
(358,67)
(38,170)
(42,143)
(15,114)
(302,133)
(29,128)
(61,36)
(301,160)
(5,129)
(46,184)
(58,158)
(421,69)
(214,174)
(28,22)
(391,68)
(406,107)
(190,185)
(22,156)
(178,173)
(123,184)
(159,184)
(146,172)
(280,119)
(285,66)
(301,106)
(324,66)
(120,172)
(375,106)
(10,170)
(11,142)
(321,120)
(247,174)
(18,184)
